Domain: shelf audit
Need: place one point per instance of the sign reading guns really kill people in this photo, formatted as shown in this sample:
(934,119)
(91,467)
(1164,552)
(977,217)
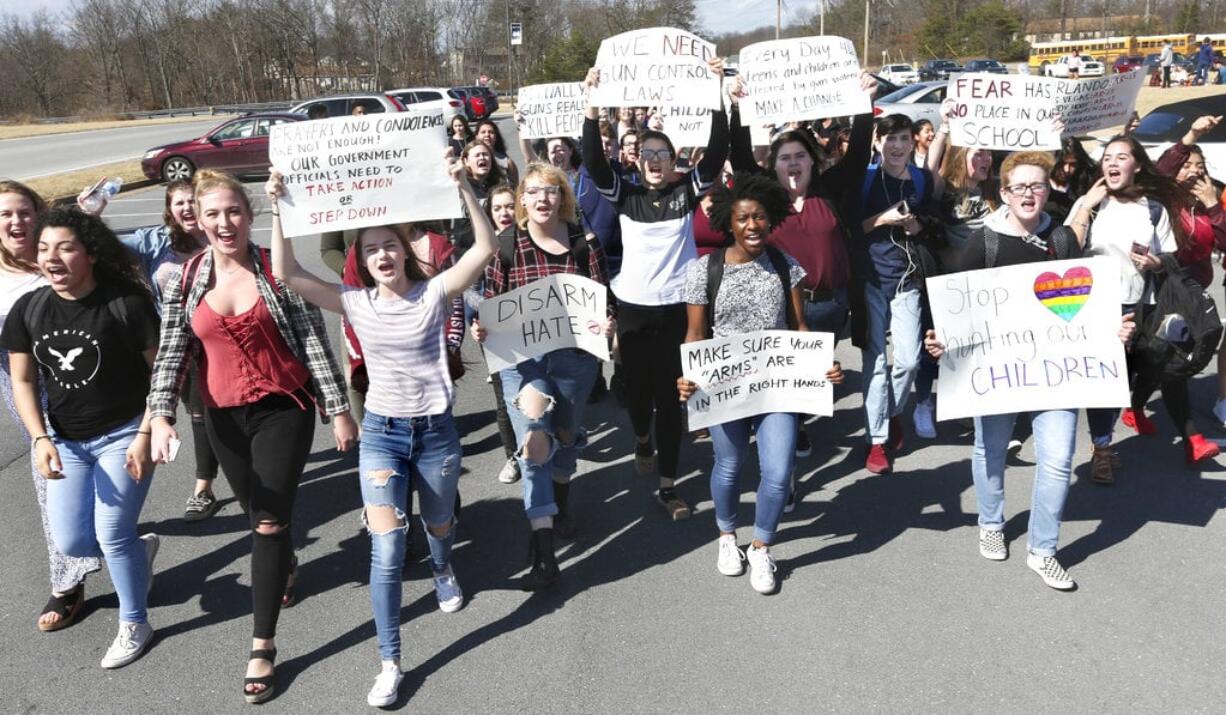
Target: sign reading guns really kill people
(1035,336)
(357,171)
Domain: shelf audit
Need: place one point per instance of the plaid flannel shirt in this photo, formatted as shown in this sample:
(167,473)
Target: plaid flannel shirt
(301,326)
(530,263)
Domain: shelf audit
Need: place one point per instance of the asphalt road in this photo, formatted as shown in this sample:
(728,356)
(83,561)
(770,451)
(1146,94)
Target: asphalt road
(884,605)
(32,157)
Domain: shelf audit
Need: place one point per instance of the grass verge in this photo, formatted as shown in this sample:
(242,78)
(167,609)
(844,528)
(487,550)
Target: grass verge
(17,131)
(69,184)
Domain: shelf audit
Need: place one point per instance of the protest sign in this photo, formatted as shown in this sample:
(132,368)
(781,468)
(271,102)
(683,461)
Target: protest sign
(551,110)
(369,170)
(656,67)
(1015,112)
(687,126)
(558,311)
(1036,336)
(756,373)
(801,78)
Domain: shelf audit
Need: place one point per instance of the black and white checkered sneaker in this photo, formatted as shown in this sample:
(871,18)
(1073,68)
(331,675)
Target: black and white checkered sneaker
(992,544)
(1052,572)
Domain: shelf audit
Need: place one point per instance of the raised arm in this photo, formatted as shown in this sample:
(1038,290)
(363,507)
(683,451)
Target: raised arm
(286,267)
(843,180)
(712,162)
(592,148)
(469,267)
(936,150)
(525,144)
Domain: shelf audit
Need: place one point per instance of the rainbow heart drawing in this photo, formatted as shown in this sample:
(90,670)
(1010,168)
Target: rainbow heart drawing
(1064,295)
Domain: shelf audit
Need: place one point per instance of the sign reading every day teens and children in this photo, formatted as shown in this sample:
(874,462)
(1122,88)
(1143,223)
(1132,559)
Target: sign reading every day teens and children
(1036,336)
(801,78)
(656,67)
(757,373)
(369,170)
(559,311)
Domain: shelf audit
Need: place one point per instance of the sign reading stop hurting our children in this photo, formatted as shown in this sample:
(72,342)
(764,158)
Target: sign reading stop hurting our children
(1036,336)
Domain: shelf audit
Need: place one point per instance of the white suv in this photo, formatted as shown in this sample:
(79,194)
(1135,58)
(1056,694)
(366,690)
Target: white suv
(1090,67)
(899,74)
(429,98)
(341,105)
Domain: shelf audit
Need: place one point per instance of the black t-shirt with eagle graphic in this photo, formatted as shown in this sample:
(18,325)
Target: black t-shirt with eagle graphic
(90,354)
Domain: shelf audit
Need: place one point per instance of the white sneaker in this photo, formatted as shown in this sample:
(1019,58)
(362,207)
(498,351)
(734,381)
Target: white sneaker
(447,589)
(152,544)
(761,569)
(510,472)
(387,686)
(992,544)
(923,418)
(1050,569)
(731,560)
(1219,411)
(1014,448)
(128,644)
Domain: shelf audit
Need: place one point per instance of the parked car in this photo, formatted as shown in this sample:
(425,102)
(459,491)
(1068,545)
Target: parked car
(918,101)
(474,104)
(1166,124)
(1153,61)
(986,66)
(491,98)
(938,69)
(1090,67)
(239,146)
(427,98)
(900,74)
(1127,63)
(885,86)
(343,104)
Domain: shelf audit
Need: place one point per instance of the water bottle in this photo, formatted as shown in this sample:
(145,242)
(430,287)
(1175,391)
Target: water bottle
(96,200)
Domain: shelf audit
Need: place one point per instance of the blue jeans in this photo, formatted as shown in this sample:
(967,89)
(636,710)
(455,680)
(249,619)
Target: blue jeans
(94,508)
(565,378)
(426,452)
(776,453)
(829,316)
(886,387)
(1055,437)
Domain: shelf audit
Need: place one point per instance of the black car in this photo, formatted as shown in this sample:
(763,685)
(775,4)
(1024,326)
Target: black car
(938,69)
(986,66)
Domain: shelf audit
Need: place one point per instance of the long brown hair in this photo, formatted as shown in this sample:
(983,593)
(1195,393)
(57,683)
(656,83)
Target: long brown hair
(8,260)
(180,240)
(412,267)
(958,180)
(1151,185)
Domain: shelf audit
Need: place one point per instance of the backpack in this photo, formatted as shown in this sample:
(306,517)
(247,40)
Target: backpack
(1061,244)
(580,251)
(715,276)
(1179,301)
(917,178)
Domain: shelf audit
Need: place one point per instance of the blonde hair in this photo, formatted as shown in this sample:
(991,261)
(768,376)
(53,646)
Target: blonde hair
(958,179)
(1041,159)
(208,180)
(553,176)
(8,260)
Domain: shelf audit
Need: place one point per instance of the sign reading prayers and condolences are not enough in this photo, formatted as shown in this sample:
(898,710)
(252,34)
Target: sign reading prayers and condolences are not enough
(1036,336)
(758,373)
(356,171)
(801,78)
(655,67)
(551,110)
(559,311)
(1016,112)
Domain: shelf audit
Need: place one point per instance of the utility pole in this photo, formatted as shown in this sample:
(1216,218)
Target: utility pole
(821,4)
(510,61)
(864,51)
(778,17)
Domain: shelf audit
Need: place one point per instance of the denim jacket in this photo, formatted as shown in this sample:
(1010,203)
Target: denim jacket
(151,244)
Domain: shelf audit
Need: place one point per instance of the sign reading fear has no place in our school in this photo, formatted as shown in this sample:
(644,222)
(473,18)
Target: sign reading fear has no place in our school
(371,170)
(655,67)
(555,312)
(801,78)
(1036,336)
(1016,112)
(758,373)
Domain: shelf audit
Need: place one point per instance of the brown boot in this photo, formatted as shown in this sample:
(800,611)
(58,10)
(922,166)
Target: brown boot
(1102,464)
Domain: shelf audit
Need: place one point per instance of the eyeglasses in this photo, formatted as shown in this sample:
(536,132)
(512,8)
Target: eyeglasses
(656,154)
(1020,189)
(535,191)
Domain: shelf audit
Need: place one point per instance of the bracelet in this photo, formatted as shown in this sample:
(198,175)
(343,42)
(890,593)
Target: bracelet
(41,436)
(144,432)
(275,213)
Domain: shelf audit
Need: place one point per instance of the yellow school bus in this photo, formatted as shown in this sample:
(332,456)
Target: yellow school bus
(1104,49)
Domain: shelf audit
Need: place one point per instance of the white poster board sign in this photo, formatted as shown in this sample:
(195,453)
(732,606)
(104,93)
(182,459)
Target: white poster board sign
(559,311)
(369,170)
(655,67)
(551,110)
(801,78)
(1015,112)
(687,126)
(757,373)
(1037,336)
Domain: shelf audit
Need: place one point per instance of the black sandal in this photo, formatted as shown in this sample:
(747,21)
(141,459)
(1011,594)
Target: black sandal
(289,598)
(66,607)
(268,681)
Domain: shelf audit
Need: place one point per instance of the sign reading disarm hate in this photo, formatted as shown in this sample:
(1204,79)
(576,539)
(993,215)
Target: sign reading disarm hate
(369,170)
(801,78)
(1036,336)
(555,312)
(658,66)
(551,110)
(757,373)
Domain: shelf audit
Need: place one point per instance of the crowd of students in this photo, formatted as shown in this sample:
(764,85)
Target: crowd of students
(833,228)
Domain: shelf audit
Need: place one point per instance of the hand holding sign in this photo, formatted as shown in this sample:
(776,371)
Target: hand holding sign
(656,67)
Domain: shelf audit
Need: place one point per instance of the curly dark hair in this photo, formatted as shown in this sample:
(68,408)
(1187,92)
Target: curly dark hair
(748,187)
(1152,185)
(1085,175)
(114,265)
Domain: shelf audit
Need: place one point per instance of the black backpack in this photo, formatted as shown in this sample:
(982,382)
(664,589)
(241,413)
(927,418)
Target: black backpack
(580,251)
(715,276)
(1176,294)
(1061,244)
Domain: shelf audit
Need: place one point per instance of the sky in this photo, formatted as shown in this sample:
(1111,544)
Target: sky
(716,16)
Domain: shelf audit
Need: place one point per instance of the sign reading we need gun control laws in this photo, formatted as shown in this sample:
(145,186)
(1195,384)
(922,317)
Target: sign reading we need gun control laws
(560,311)
(659,66)
(756,373)
(370,170)
(801,78)
(1036,336)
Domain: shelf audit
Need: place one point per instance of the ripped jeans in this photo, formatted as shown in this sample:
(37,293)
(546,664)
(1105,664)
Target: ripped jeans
(395,450)
(564,377)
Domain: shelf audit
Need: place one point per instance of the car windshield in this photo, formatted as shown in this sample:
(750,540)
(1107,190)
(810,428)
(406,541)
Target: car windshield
(1159,126)
(942,64)
(898,68)
(899,95)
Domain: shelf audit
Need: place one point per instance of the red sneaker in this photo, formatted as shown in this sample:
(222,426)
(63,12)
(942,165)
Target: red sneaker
(875,460)
(895,440)
(1139,422)
(1197,448)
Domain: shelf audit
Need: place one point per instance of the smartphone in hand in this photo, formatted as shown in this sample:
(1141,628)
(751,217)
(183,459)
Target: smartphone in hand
(175,444)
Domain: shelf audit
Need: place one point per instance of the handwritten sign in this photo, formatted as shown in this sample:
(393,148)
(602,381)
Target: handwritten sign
(1015,112)
(1036,336)
(655,67)
(559,311)
(551,110)
(687,126)
(371,170)
(756,373)
(801,78)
